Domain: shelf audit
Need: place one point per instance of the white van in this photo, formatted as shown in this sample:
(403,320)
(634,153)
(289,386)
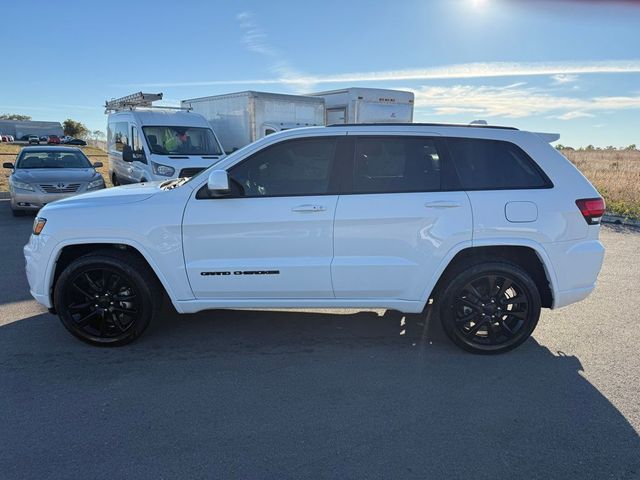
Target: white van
(147,144)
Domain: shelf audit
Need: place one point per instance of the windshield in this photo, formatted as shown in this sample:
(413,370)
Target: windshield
(165,140)
(44,159)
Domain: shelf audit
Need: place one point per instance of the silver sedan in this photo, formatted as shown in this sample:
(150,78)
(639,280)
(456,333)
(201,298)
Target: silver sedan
(42,175)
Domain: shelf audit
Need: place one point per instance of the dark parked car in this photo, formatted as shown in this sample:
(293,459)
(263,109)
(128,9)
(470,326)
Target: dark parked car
(76,141)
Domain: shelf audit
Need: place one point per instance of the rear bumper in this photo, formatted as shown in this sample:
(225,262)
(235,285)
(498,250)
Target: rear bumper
(568,297)
(576,265)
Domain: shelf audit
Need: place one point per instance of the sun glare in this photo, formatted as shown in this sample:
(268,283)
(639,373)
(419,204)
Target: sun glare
(478,3)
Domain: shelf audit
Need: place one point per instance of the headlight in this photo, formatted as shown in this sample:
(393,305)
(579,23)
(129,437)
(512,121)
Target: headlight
(38,225)
(95,184)
(164,170)
(22,185)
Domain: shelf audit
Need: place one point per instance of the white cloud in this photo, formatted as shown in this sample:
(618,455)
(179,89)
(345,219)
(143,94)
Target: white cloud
(573,114)
(562,78)
(514,101)
(255,39)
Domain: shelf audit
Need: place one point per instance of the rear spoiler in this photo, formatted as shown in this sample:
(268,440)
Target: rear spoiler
(548,137)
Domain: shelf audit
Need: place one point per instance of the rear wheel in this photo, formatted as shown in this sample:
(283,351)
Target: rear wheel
(107,298)
(490,307)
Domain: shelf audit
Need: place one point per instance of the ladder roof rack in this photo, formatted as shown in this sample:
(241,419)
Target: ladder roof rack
(136,100)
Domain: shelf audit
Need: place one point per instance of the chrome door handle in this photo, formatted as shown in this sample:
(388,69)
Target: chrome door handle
(442,204)
(309,208)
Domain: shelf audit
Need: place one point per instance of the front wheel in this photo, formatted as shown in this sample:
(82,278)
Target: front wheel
(490,307)
(107,298)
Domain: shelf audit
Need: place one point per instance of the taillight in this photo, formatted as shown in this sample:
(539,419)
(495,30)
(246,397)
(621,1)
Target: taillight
(592,209)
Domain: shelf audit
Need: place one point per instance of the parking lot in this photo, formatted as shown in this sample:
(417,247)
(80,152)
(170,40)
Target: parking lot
(321,394)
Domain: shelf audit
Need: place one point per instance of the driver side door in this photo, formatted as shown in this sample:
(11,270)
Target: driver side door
(272,237)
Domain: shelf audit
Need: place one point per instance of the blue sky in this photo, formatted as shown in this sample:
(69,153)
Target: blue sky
(564,66)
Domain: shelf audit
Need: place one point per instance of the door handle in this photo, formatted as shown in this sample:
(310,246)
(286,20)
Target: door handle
(309,208)
(443,204)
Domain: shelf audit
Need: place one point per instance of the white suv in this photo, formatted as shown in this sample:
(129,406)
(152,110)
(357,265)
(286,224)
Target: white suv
(492,223)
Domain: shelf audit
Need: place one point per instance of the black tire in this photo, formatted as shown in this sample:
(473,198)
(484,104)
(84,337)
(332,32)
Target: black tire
(114,180)
(18,213)
(126,293)
(490,307)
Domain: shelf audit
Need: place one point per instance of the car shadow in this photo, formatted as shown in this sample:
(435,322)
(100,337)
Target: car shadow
(282,394)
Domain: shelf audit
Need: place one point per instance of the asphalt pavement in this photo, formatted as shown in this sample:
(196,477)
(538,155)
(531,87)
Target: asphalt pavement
(321,394)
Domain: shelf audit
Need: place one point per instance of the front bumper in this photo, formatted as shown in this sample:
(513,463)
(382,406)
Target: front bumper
(25,200)
(37,256)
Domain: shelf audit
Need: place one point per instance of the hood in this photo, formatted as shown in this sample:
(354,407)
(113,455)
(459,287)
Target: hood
(136,192)
(50,175)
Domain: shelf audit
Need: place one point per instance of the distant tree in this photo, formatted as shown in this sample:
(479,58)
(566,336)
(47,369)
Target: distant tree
(14,116)
(610,147)
(74,129)
(631,147)
(560,147)
(590,148)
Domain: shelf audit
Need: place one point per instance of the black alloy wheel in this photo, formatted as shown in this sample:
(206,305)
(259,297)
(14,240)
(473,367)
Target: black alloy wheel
(490,308)
(106,299)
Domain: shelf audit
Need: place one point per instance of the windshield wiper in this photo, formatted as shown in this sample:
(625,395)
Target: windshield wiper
(171,184)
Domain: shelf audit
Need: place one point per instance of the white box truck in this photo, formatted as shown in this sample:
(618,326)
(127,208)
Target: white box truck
(244,117)
(367,105)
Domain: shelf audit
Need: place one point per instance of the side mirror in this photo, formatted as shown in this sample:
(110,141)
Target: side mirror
(218,183)
(127,154)
(98,165)
(7,165)
(139,156)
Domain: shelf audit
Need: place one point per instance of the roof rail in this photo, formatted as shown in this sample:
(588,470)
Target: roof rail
(137,100)
(390,124)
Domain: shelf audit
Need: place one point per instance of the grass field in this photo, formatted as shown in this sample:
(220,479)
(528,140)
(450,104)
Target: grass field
(615,173)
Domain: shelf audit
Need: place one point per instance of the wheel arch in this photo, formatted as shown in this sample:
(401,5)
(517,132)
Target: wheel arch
(529,256)
(69,251)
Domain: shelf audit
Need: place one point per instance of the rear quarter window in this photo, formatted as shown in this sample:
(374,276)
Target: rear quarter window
(494,165)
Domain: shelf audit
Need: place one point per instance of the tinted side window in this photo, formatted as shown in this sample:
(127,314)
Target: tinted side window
(396,164)
(494,165)
(297,167)
(118,135)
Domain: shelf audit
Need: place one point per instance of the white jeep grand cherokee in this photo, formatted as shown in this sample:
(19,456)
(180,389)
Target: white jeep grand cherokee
(492,223)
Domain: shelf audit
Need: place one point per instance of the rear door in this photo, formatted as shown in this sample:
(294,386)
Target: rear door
(398,216)
(336,115)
